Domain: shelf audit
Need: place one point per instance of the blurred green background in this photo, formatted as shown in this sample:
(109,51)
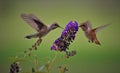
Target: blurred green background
(90,58)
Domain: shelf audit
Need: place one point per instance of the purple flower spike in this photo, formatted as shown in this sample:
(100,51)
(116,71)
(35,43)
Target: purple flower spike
(69,26)
(53,48)
(75,25)
(64,33)
(67,36)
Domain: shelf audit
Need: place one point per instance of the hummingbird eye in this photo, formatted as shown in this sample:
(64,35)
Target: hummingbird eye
(56,25)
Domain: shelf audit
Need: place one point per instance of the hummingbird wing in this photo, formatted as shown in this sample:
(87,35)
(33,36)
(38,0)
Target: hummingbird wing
(33,21)
(88,24)
(100,27)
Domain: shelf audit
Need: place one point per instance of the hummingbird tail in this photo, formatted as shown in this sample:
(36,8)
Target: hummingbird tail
(97,42)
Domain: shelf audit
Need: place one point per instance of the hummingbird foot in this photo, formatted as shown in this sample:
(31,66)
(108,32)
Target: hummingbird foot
(90,41)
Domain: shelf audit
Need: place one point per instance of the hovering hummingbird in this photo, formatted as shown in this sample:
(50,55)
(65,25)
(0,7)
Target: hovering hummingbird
(90,32)
(40,27)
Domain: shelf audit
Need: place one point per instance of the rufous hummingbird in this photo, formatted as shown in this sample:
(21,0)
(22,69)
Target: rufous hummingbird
(39,26)
(90,33)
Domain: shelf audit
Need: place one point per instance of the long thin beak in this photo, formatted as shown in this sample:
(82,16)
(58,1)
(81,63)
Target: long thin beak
(60,27)
(79,25)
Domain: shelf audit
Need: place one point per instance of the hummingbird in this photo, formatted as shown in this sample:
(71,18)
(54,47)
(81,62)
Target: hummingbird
(90,32)
(39,26)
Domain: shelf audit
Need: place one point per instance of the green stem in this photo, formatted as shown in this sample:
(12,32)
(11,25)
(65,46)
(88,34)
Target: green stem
(53,60)
(36,62)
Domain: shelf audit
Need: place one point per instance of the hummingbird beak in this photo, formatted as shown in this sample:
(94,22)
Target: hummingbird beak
(60,27)
(80,26)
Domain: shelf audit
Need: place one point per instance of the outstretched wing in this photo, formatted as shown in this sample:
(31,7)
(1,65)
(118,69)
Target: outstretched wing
(100,27)
(33,21)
